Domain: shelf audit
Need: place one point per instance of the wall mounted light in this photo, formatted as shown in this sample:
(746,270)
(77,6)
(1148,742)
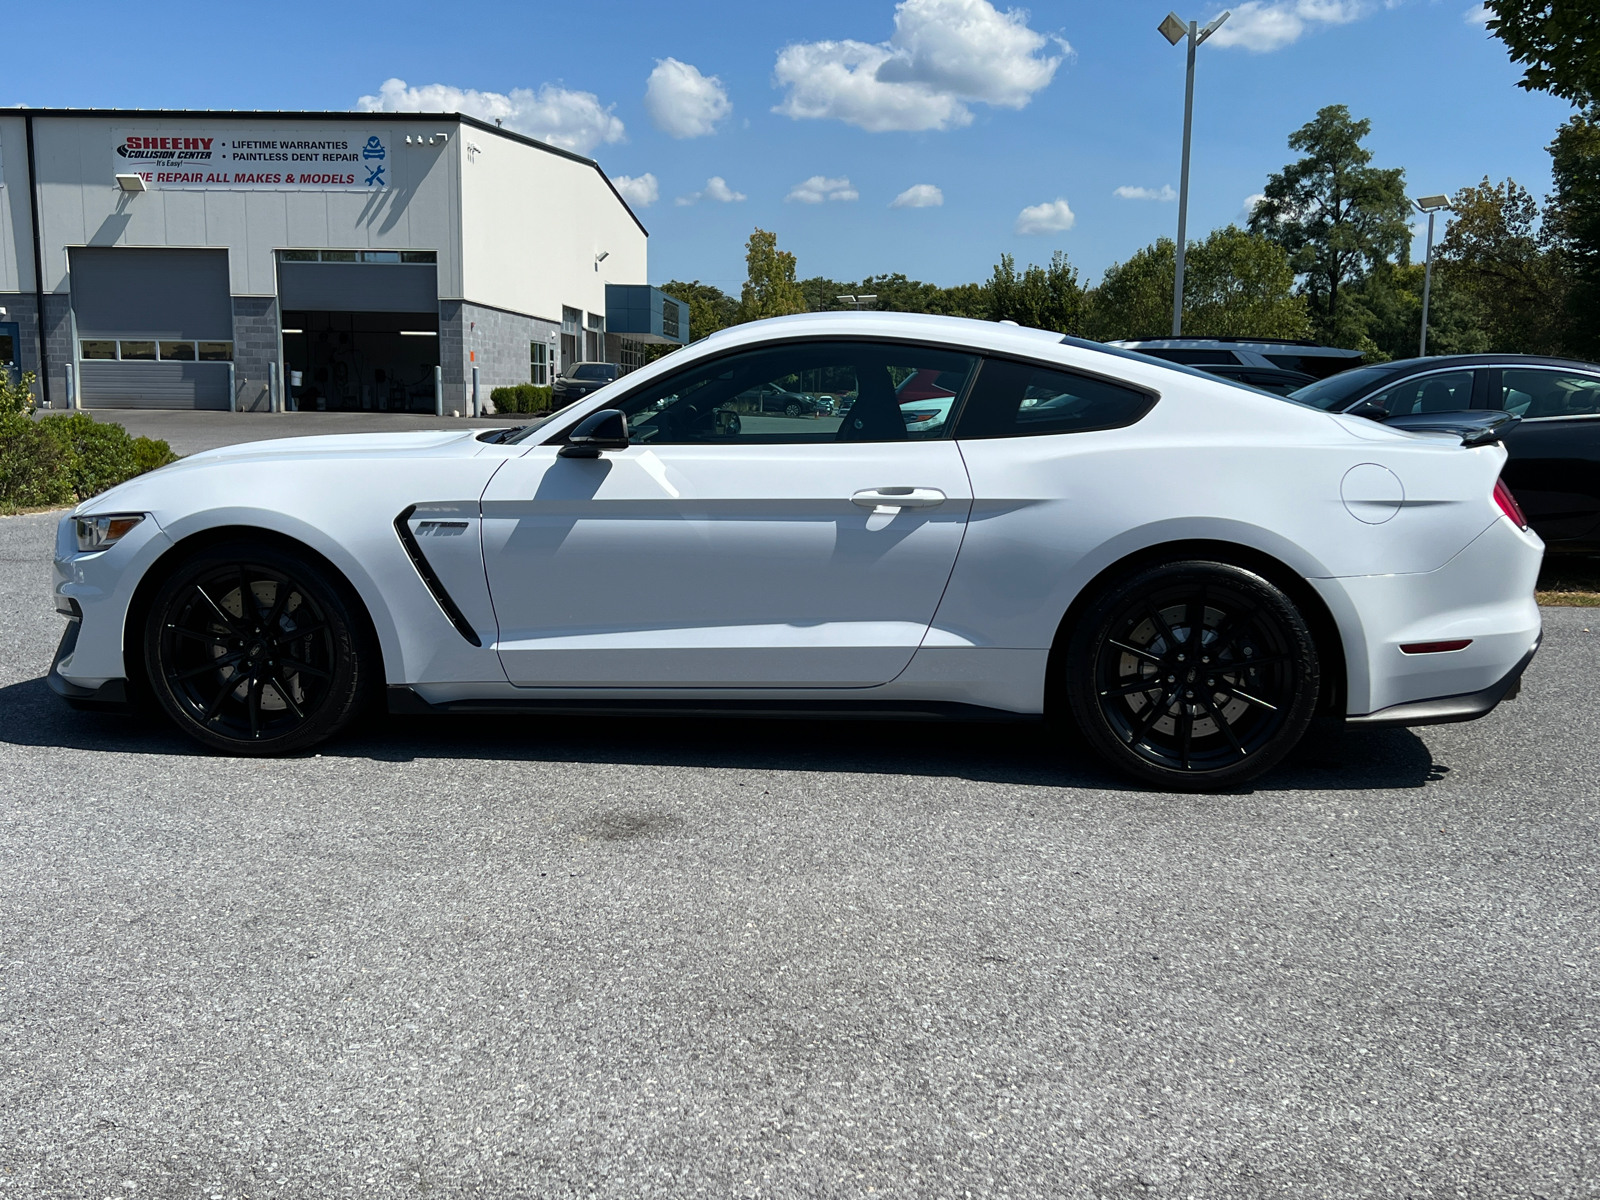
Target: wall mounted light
(132,183)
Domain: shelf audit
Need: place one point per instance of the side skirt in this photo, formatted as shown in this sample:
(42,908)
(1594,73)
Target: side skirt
(404,700)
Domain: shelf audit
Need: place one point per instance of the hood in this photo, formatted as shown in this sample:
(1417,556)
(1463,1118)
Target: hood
(455,443)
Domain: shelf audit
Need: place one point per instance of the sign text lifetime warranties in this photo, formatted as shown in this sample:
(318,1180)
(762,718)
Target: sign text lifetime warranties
(314,160)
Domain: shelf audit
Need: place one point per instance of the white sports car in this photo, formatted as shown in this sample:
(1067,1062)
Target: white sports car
(1186,568)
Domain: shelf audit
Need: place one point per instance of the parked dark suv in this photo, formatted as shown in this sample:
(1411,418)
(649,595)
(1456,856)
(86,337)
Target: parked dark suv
(579,379)
(1554,469)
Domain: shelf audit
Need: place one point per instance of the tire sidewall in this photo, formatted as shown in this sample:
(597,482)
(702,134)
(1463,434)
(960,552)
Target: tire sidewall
(1094,627)
(346,691)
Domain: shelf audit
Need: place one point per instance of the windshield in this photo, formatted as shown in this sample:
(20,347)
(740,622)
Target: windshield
(1337,392)
(594,371)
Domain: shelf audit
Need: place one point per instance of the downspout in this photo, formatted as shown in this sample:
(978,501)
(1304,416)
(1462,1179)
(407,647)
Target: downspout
(38,261)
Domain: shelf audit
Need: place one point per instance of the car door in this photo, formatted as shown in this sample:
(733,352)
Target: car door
(728,547)
(1554,468)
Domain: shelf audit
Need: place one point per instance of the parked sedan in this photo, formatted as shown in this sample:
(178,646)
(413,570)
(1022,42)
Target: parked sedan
(1554,469)
(1187,569)
(773,397)
(580,379)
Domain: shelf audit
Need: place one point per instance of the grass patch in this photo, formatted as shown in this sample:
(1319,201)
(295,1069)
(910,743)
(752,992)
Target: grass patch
(1571,581)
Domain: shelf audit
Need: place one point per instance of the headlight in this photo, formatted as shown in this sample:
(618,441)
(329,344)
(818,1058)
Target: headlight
(96,533)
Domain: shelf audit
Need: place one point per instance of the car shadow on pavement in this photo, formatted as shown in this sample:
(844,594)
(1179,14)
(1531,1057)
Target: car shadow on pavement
(1330,759)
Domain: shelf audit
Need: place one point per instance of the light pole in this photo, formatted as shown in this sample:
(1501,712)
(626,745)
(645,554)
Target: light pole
(1429,205)
(1175,30)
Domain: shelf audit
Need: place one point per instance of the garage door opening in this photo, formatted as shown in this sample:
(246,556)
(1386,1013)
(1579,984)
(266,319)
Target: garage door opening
(361,361)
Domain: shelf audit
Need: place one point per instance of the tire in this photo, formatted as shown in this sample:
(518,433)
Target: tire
(1244,704)
(272,668)
(791,409)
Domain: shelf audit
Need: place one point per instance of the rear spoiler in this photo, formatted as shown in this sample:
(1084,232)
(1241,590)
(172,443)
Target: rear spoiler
(1478,427)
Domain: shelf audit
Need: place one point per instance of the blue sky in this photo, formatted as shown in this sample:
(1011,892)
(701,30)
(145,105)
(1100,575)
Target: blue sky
(811,119)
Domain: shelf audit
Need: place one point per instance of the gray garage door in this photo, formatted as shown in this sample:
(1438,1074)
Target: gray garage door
(126,299)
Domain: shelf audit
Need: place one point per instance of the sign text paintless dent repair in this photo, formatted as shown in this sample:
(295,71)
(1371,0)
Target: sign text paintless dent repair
(315,159)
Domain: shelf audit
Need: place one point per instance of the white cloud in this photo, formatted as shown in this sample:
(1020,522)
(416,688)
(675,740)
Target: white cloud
(1478,14)
(918,195)
(1250,203)
(819,188)
(1263,26)
(1164,192)
(641,191)
(683,102)
(572,120)
(716,189)
(942,54)
(1054,217)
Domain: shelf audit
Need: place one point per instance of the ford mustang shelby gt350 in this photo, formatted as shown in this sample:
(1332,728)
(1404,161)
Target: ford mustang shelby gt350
(1188,569)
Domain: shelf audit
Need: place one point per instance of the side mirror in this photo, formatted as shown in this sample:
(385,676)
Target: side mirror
(604,430)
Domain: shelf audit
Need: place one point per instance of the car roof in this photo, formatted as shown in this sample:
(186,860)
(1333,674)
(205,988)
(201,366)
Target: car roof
(1405,366)
(1264,344)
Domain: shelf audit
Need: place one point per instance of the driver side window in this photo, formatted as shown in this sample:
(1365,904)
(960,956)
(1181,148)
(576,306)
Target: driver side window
(802,393)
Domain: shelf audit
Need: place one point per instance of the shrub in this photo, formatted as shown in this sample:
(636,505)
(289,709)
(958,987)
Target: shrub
(521,398)
(63,458)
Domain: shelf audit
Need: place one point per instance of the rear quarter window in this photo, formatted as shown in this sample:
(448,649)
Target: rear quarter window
(1014,399)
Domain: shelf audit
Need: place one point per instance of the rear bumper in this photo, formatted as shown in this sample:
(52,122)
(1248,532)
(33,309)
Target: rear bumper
(1448,709)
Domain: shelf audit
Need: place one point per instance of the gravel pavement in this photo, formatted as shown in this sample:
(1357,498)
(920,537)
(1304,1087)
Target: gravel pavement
(629,958)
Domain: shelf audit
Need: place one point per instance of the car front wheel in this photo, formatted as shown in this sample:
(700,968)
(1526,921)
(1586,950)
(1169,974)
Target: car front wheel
(1194,676)
(253,650)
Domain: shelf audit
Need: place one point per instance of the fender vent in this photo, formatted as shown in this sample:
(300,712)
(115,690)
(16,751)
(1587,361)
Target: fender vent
(424,568)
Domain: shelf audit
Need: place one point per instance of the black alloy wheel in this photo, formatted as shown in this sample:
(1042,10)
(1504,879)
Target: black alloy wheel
(791,409)
(253,651)
(1193,675)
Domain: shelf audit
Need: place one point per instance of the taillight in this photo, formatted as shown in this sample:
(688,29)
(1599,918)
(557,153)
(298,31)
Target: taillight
(1508,504)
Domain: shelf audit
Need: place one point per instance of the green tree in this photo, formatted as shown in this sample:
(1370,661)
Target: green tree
(769,289)
(1573,220)
(1336,216)
(821,294)
(1238,284)
(1047,297)
(1385,308)
(710,308)
(1235,284)
(1557,40)
(1134,298)
(1496,255)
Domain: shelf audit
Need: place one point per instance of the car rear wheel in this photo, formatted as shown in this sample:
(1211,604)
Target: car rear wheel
(791,409)
(253,650)
(1193,675)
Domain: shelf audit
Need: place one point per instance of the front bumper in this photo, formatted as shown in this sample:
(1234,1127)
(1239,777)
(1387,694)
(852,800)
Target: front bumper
(1448,709)
(110,696)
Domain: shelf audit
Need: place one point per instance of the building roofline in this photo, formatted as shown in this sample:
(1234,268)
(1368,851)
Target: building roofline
(215,114)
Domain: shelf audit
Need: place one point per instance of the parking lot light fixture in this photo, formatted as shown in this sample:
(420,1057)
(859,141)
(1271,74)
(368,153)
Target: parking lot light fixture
(1175,30)
(857,302)
(1429,205)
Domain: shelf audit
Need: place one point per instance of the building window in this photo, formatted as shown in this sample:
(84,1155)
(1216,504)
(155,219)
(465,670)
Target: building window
(539,363)
(594,340)
(571,335)
(630,354)
(107,349)
(669,318)
(366,256)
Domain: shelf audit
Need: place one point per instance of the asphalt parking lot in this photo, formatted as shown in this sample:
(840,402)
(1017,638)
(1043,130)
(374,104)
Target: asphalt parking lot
(623,959)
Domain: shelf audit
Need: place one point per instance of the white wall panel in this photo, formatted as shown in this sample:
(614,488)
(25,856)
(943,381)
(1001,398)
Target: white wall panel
(532,223)
(16,235)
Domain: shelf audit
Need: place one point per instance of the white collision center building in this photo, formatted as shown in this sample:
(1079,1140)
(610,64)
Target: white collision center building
(325,261)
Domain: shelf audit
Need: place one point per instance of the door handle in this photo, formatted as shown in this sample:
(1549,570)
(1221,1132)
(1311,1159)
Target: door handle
(893,499)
